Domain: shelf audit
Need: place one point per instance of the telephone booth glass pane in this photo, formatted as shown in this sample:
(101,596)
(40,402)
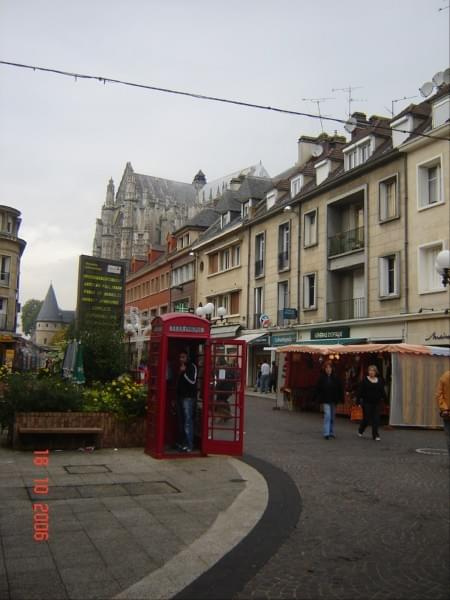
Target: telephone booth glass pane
(225,396)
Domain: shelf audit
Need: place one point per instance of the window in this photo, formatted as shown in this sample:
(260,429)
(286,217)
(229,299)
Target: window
(5,268)
(225,219)
(258,306)
(283,300)
(182,274)
(225,259)
(310,228)
(271,199)
(309,291)
(429,183)
(358,153)
(163,309)
(213,263)
(283,246)
(245,209)
(296,185)
(389,278)
(236,256)
(234,303)
(429,279)
(229,301)
(259,254)
(388,199)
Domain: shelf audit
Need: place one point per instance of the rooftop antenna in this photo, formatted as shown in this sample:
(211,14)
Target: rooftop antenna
(399,100)
(348,90)
(318,101)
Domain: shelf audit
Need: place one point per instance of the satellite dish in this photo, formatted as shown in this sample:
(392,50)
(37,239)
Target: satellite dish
(438,78)
(447,76)
(351,125)
(426,89)
(317,150)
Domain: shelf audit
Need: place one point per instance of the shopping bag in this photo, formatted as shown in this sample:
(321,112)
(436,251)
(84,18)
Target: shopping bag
(356,413)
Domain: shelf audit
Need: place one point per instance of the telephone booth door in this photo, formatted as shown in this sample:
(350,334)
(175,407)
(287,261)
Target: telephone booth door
(224,392)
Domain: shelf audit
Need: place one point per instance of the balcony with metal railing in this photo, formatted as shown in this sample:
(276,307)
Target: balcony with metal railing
(346,241)
(352,308)
(259,268)
(283,260)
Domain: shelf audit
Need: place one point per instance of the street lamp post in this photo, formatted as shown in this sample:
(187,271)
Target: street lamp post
(129,330)
(443,266)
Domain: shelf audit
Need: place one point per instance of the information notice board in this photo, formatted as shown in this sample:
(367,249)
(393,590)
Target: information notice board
(101,292)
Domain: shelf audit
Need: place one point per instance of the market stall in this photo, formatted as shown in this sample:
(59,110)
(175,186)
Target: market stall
(410,372)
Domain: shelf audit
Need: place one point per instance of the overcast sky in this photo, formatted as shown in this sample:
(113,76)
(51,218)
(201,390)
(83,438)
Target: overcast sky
(61,140)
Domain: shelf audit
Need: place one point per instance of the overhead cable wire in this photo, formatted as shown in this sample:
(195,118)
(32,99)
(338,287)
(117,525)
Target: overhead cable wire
(155,88)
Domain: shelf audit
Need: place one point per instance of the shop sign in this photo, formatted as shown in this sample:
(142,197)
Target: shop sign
(264,318)
(289,313)
(282,339)
(261,341)
(101,292)
(330,333)
(6,338)
(437,337)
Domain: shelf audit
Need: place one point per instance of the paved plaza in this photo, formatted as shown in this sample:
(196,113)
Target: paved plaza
(299,517)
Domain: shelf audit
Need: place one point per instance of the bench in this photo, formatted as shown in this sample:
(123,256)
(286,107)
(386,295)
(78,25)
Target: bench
(37,425)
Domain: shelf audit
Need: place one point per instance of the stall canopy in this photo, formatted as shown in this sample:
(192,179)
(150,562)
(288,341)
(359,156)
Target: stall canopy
(326,349)
(415,373)
(251,337)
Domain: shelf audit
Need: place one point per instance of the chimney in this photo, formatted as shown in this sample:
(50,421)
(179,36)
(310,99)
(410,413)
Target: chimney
(305,148)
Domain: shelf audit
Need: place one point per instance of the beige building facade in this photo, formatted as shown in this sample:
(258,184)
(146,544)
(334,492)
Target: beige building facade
(11,249)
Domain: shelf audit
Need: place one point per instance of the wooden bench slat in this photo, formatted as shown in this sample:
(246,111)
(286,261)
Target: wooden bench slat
(60,429)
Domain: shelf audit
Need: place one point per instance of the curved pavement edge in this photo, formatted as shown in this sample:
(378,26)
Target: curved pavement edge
(231,573)
(182,571)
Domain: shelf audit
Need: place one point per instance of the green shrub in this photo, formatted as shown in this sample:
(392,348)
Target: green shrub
(121,396)
(27,392)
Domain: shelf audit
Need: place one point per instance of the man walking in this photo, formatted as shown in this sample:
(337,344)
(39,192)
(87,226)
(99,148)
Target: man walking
(265,377)
(186,396)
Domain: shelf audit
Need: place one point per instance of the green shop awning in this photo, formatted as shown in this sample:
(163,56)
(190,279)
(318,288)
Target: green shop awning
(344,341)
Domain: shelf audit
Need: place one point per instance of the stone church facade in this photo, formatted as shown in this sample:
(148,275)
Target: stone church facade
(146,209)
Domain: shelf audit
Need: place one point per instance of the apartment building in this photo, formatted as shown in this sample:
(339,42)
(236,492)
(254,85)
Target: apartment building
(367,219)
(222,254)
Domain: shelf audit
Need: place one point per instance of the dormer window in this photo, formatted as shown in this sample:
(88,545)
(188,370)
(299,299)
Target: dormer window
(358,153)
(441,112)
(296,185)
(406,125)
(322,169)
(245,208)
(225,219)
(271,199)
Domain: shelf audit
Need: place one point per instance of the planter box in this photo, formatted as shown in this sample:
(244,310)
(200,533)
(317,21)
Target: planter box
(99,429)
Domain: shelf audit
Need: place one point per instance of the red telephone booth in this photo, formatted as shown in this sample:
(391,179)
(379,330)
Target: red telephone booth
(221,367)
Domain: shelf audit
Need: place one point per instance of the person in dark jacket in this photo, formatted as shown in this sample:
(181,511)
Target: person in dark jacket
(186,397)
(370,394)
(329,392)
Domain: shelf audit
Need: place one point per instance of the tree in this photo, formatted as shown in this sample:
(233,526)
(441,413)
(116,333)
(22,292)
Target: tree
(30,311)
(104,353)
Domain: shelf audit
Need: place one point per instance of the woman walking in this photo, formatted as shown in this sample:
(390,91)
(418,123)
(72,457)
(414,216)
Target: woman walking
(370,393)
(329,392)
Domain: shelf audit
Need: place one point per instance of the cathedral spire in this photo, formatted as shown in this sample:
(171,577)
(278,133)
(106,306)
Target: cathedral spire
(109,202)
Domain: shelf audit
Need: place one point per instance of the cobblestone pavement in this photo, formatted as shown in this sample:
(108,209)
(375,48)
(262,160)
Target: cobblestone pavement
(375,515)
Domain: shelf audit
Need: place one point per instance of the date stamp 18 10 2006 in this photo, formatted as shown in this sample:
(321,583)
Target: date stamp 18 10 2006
(40,487)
